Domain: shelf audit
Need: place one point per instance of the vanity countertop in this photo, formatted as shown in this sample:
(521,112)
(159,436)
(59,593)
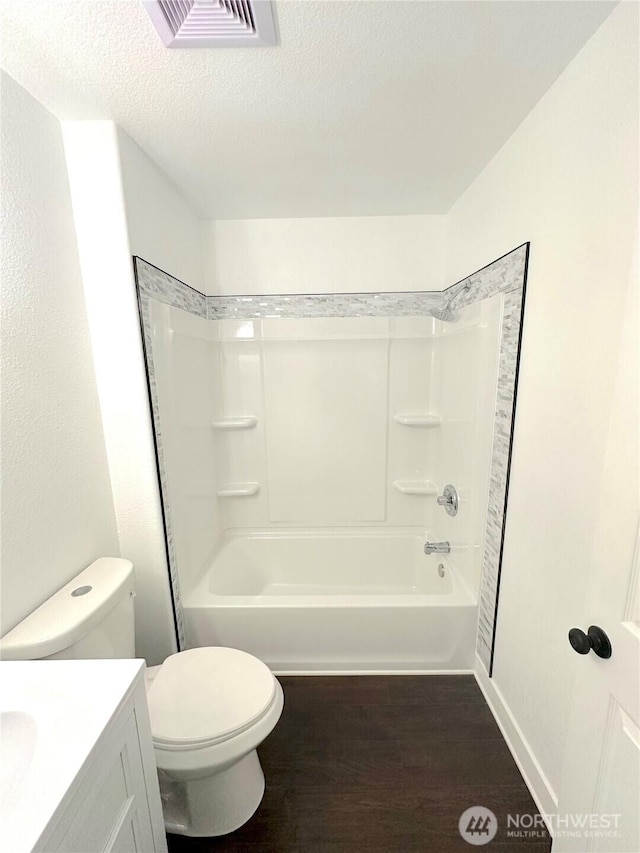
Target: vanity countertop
(52,715)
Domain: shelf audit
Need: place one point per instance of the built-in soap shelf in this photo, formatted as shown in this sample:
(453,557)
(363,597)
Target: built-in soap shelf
(239,422)
(239,490)
(415,487)
(426,421)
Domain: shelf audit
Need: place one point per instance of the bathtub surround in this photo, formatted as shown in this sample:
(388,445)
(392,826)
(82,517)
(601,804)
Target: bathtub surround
(251,444)
(505,277)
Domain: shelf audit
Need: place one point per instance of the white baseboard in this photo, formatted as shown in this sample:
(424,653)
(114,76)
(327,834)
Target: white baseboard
(279,671)
(543,794)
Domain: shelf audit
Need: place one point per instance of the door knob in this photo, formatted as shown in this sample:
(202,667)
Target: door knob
(595,639)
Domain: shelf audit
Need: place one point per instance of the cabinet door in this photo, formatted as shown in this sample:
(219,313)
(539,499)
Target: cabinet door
(125,840)
(113,815)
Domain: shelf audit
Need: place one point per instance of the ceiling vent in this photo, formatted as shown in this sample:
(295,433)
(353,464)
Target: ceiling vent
(213,23)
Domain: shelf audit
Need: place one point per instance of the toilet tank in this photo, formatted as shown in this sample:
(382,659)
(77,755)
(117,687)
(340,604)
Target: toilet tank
(90,617)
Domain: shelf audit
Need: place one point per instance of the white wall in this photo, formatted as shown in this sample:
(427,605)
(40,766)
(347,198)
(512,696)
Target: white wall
(332,255)
(567,180)
(162,228)
(107,271)
(57,509)
(125,205)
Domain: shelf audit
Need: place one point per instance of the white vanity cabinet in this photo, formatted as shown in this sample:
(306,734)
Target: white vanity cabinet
(91,784)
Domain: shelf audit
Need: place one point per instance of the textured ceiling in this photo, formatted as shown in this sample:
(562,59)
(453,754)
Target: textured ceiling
(364,108)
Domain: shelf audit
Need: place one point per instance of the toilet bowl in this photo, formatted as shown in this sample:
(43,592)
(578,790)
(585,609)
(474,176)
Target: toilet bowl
(209,709)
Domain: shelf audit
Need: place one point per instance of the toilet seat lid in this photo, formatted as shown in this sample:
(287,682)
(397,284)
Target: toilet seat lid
(203,696)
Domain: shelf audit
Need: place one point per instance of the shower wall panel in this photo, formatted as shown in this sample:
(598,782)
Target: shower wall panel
(411,447)
(326,430)
(465,364)
(324,447)
(182,360)
(238,426)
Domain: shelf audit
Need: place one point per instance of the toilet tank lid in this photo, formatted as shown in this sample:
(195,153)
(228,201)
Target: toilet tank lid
(71,612)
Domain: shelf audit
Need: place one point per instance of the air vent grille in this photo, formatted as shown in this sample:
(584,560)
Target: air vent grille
(213,23)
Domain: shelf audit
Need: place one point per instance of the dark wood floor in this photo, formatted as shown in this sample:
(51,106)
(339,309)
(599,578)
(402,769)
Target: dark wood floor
(379,763)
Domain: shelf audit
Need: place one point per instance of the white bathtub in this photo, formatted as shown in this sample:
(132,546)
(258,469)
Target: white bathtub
(341,602)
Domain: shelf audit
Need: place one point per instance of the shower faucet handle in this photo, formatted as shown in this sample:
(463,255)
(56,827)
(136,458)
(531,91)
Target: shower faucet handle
(449,500)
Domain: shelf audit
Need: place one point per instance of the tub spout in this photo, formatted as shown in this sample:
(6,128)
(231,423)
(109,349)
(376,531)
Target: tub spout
(437,547)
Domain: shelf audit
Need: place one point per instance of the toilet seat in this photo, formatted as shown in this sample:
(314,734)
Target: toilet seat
(206,696)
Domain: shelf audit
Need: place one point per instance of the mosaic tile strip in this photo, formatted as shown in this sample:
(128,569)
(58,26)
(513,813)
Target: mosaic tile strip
(499,473)
(174,579)
(323,305)
(156,284)
(501,276)
(505,275)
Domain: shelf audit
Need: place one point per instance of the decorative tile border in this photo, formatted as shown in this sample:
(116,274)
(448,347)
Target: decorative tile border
(323,305)
(499,475)
(501,276)
(506,275)
(156,284)
(153,283)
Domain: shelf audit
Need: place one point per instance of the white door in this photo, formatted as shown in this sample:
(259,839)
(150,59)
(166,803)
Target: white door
(599,799)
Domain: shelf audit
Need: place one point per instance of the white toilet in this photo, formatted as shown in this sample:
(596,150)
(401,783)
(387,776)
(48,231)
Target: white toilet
(209,708)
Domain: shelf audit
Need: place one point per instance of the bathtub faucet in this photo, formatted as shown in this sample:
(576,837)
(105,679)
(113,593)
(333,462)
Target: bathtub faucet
(437,547)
